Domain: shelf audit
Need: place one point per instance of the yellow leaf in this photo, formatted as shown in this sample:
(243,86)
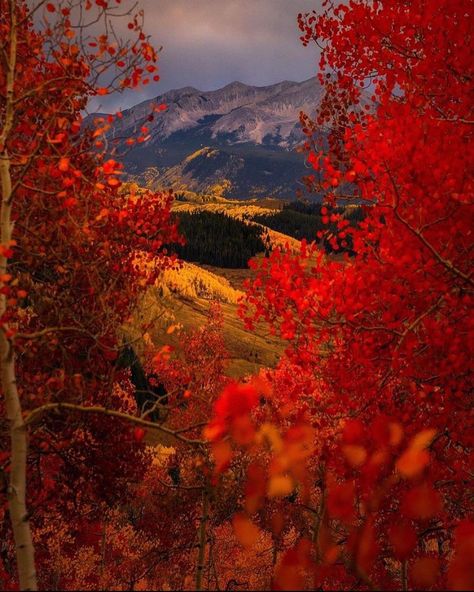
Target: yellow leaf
(245,530)
(271,434)
(98,132)
(412,462)
(280,486)
(422,440)
(147,339)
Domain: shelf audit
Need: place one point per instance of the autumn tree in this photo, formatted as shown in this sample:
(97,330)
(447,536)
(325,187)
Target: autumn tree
(371,425)
(346,466)
(76,249)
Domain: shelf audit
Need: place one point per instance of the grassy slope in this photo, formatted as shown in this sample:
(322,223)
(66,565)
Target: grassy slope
(247,350)
(183,297)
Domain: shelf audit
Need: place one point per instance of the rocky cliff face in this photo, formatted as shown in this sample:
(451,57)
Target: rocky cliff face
(238,140)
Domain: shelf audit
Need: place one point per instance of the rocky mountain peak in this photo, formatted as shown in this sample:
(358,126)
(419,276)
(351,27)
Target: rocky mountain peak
(240,133)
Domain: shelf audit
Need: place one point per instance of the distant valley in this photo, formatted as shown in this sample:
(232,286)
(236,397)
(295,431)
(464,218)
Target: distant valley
(236,142)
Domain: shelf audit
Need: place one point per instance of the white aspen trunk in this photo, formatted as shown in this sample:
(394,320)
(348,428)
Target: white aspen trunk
(18,433)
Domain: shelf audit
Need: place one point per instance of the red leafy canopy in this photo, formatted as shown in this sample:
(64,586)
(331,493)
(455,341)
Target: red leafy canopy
(85,246)
(380,344)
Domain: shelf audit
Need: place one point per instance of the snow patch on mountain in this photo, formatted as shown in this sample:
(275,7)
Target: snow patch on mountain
(253,114)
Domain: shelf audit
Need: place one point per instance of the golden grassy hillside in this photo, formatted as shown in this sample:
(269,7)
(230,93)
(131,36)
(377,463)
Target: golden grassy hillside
(183,297)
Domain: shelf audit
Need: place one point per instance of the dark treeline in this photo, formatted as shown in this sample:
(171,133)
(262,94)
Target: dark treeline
(303,220)
(216,239)
(298,224)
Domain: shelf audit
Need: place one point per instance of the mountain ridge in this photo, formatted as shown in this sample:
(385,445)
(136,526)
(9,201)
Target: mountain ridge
(251,133)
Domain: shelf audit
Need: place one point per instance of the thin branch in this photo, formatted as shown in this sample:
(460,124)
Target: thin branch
(418,320)
(448,264)
(39,411)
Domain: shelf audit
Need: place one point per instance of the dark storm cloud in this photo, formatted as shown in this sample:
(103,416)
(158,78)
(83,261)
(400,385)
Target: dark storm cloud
(209,43)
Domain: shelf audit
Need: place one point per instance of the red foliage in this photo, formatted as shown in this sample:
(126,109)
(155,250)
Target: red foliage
(84,248)
(379,345)
(350,459)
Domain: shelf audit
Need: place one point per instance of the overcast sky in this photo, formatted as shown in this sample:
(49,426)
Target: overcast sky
(209,43)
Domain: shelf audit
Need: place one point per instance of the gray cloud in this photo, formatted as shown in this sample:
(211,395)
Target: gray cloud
(209,43)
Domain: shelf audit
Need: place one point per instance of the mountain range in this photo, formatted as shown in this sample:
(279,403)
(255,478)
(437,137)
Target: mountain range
(238,141)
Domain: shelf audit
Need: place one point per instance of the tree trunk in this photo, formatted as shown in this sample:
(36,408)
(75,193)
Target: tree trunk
(202,539)
(18,435)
